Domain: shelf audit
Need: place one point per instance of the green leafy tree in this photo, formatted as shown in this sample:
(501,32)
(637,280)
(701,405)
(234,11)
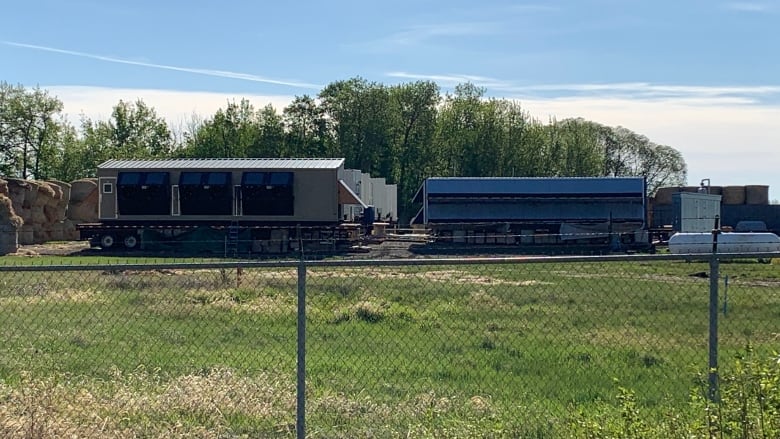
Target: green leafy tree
(635,154)
(231,132)
(413,126)
(582,154)
(514,124)
(138,132)
(10,96)
(270,137)
(359,112)
(457,142)
(308,133)
(68,163)
(28,131)
(133,131)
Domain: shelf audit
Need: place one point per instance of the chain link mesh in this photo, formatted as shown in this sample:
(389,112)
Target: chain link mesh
(439,348)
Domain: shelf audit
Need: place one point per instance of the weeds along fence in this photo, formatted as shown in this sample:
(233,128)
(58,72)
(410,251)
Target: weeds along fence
(645,346)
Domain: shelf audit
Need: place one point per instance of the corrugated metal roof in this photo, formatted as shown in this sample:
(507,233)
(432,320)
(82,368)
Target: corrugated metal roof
(534,185)
(231,163)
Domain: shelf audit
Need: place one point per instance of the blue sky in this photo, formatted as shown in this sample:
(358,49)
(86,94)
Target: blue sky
(700,76)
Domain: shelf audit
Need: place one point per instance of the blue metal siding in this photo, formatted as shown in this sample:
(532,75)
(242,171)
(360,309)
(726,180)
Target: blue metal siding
(536,211)
(537,200)
(536,186)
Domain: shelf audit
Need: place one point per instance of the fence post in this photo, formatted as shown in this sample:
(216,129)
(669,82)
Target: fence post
(300,415)
(713,338)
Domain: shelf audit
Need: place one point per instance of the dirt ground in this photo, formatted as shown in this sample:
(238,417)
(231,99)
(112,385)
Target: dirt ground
(387,249)
(54,248)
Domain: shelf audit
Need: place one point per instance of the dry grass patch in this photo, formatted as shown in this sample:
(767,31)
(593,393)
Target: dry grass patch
(144,404)
(450,276)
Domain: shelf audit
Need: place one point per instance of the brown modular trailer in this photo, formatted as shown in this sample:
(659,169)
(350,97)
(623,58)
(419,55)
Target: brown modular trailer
(232,195)
(268,190)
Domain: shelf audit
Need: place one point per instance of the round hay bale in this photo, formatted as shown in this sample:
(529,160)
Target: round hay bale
(81,189)
(53,207)
(37,217)
(8,216)
(733,195)
(690,189)
(86,210)
(17,192)
(663,195)
(56,232)
(41,233)
(25,214)
(50,203)
(756,194)
(65,192)
(70,232)
(42,195)
(716,190)
(31,197)
(26,235)
(9,239)
(64,187)
(54,214)
(56,194)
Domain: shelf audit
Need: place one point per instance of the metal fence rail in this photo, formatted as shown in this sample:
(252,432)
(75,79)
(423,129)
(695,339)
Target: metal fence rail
(473,347)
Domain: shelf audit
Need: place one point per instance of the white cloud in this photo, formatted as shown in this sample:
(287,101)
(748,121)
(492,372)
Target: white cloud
(207,72)
(177,107)
(636,90)
(451,80)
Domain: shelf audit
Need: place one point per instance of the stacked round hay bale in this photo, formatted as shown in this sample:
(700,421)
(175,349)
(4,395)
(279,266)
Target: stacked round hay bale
(45,196)
(756,194)
(41,207)
(733,195)
(56,211)
(17,192)
(21,192)
(62,229)
(83,202)
(9,222)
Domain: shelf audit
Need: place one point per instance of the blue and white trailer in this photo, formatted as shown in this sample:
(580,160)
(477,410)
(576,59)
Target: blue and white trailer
(606,211)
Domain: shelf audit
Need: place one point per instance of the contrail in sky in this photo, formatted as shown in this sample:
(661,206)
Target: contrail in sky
(207,72)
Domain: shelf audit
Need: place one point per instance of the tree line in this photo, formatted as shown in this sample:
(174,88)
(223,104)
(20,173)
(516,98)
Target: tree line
(404,133)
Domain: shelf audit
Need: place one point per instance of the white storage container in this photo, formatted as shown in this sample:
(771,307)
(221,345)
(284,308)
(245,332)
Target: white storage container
(687,243)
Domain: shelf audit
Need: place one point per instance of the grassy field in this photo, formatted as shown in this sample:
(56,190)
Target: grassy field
(583,349)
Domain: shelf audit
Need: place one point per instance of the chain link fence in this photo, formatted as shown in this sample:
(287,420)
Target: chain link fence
(473,347)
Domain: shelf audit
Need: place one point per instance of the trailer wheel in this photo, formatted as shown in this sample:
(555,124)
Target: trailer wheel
(107,241)
(130,242)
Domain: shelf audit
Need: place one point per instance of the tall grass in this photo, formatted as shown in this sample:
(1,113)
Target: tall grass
(538,350)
